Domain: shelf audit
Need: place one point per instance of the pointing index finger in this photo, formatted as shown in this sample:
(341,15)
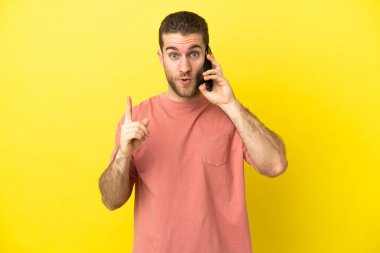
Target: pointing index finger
(128,110)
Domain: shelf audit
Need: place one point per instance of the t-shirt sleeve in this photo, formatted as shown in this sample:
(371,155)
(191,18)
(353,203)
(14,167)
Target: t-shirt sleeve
(132,169)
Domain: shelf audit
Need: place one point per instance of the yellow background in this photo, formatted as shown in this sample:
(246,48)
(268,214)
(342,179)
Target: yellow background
(308,69)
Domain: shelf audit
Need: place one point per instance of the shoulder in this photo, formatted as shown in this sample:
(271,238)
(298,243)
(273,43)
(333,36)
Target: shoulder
(144,107)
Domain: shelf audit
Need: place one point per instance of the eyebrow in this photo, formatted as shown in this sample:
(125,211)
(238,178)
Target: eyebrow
(192,47)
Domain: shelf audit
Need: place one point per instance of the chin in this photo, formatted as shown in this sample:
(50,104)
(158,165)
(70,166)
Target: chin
(190,92)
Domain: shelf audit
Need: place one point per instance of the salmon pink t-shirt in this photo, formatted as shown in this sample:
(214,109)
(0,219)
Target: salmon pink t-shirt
(189,180)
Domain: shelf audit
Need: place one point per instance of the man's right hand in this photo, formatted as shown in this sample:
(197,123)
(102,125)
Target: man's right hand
(132,132)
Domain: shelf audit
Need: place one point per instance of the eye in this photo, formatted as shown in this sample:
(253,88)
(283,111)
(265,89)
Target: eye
(194,54)
(173,56)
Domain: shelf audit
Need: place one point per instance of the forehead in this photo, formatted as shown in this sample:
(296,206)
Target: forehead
(182,41)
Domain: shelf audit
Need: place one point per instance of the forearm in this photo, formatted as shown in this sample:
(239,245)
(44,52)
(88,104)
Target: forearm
(265,148)
(114,183)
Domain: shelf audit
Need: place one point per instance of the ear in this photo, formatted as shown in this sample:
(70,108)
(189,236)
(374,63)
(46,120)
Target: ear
(159,53)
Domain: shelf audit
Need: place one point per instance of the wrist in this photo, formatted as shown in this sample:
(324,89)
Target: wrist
(231,107)
(121,154)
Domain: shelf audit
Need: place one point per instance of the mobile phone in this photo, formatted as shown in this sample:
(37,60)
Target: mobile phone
(207,65)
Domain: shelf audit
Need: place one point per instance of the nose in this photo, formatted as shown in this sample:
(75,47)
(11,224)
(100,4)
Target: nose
(184,65)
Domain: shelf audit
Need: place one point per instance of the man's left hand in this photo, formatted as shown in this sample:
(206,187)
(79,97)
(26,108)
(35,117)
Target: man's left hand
(221,93)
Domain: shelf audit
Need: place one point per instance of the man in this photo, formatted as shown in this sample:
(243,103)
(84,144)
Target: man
(184,150)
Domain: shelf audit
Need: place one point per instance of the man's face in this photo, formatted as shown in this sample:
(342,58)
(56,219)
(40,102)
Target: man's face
(182,57)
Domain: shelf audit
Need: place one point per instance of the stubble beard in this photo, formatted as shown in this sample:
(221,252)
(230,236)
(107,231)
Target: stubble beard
(189,92)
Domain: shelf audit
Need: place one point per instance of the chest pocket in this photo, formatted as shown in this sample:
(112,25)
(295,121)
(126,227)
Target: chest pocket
(215,149)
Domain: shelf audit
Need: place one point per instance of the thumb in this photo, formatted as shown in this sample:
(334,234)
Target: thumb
(145,121)
(202,88)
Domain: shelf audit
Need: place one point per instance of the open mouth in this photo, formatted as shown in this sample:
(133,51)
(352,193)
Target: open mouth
(185,80)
